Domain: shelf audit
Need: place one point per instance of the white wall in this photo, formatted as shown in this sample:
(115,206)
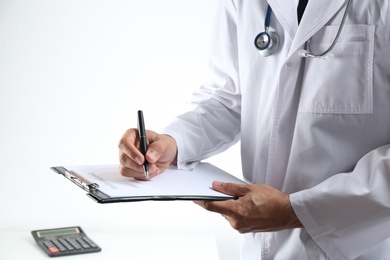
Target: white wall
(71,76)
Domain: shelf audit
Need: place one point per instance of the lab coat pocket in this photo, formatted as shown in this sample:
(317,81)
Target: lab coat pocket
(343,85)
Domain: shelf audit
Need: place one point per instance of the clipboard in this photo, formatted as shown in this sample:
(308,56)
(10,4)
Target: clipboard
(104,184)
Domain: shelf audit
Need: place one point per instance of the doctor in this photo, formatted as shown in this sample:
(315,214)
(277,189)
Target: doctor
(314,131)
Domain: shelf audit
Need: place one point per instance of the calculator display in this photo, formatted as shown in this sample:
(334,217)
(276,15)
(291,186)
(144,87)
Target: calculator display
(58,232)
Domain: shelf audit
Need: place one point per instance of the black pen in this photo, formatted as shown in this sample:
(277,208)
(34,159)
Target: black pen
(142,140)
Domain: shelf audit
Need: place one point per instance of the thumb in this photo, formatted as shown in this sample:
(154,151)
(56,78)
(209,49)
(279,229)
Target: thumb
(162,148)
(233,189)
(154,153)
(155,147)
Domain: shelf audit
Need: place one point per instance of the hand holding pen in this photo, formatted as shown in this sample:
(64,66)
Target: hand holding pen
(160,152)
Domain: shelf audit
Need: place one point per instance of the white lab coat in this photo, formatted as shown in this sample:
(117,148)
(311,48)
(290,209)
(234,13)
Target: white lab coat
(317,130)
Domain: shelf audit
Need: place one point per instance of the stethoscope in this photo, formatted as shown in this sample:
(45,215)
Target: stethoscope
(267,42)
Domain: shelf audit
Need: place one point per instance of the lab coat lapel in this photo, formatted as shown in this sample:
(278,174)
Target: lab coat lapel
(285,12)
(317,14)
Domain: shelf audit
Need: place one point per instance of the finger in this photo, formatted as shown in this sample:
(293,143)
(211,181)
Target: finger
(130,163)
(221,207)
(131,172)
(237,224)
(127,146)
(238,190)
(162,148)
(130,168)
(156,148)
(139,175)
(152,155)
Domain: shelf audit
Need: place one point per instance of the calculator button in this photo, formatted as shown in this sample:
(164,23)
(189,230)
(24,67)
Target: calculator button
(48,244)
(90,242)
(82,243)
(58,245)
(74,243)
(53,250)
(51,247)
(66,244)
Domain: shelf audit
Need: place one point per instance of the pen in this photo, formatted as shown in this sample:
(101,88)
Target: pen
(142,140)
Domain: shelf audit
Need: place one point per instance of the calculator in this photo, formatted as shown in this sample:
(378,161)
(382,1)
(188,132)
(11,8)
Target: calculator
(64,241)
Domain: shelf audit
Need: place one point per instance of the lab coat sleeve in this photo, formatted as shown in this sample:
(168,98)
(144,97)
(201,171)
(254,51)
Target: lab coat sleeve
(213,123)
(350,212)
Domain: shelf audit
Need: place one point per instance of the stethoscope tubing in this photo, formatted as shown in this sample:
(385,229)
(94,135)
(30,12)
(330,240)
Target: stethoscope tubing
(267,19)
(337,35)
(266,50)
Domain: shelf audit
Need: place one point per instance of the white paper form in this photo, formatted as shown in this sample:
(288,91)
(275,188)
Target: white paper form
(172,182)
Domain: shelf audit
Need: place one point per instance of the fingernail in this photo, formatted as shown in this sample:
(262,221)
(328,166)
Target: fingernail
(152,155)
(217,183)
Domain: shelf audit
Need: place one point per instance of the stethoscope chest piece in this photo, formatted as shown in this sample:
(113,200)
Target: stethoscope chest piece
(266,43)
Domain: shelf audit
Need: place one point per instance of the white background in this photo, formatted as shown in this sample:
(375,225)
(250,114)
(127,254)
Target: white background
(73,73)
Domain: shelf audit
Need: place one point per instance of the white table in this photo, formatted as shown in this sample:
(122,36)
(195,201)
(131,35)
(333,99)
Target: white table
(21,245)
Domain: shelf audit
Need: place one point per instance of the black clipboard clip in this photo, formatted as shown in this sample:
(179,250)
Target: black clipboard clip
(76,179)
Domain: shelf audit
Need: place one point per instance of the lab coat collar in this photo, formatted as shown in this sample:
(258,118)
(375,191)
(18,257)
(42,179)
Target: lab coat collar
(317,14)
